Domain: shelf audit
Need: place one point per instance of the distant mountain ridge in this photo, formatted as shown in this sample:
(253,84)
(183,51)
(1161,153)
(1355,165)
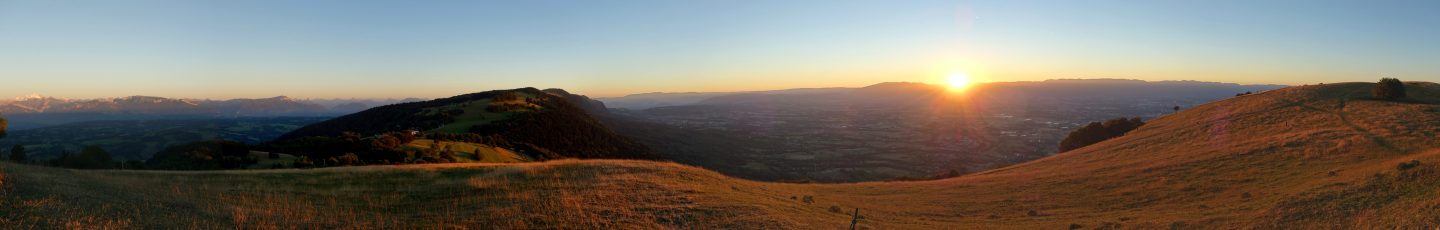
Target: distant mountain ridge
(35,110)
(661,99)
(244,107)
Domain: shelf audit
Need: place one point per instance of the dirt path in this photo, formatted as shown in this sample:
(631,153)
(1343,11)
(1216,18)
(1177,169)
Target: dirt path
(1344,118)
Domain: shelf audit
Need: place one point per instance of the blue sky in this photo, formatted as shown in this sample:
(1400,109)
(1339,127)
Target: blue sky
(330,49)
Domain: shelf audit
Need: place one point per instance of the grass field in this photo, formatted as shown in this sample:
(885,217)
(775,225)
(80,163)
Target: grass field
(472,152)
(1303,157)
(284,161)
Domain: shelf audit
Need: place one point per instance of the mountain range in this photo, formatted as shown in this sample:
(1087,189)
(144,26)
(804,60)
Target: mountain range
(36,111)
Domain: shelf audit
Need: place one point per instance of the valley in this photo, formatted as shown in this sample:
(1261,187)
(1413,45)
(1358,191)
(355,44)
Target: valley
(139,139)
(894,131)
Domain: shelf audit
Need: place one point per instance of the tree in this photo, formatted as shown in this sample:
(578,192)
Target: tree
(1177,108)
(91,157)
(385,142)
(203,155)
(348,159)
(350,136)
(304,162)
(3,125)
(447,155)
(1095,132)
(17,154)
(1389,89)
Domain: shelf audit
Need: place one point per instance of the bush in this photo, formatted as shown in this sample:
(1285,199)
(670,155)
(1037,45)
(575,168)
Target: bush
(1389,89)
(1408,165)
(1096,132)
(304,162)
(17,154)
(348,159)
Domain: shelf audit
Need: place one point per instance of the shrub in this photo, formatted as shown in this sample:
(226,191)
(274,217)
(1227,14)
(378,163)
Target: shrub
(347,159)
(17,154)
(1408,165)
(304,162)
(1389,89)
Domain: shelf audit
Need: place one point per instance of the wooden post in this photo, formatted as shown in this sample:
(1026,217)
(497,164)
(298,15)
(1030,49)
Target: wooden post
(855,220)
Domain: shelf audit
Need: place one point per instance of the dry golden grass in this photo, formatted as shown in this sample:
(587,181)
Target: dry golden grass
(472,152)
(1301,157)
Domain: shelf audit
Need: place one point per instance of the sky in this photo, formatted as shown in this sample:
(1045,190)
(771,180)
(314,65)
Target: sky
(396,49)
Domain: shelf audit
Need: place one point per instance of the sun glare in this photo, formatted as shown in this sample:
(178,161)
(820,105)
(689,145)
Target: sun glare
(958,81)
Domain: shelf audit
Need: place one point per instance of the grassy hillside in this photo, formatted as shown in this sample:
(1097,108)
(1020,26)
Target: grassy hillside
(472,152)
(1302,157)
(556,194)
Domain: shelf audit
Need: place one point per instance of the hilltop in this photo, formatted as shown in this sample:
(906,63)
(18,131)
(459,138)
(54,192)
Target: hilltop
(1320,156)
(545,124)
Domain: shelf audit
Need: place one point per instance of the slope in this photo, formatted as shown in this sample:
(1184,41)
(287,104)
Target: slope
(1301,157)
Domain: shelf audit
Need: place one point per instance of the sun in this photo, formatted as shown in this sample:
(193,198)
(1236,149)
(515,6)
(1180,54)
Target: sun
(958,81)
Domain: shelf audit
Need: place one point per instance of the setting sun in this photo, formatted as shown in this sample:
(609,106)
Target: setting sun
(958,81)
